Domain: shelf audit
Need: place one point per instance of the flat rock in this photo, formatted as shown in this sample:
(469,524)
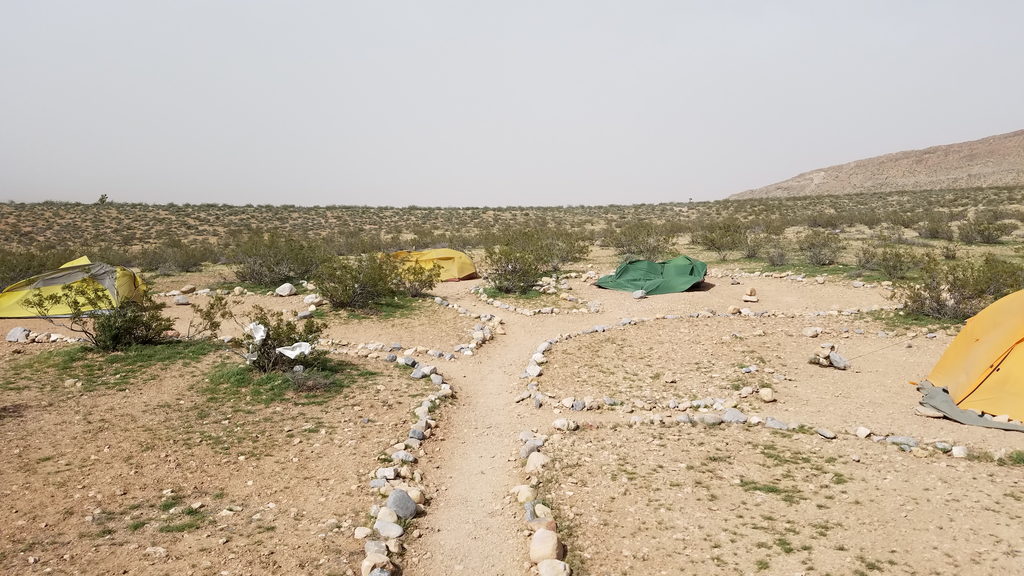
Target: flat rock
(826,433)
(959,451)
(774,424)
(17,334)
(362,532)
(734,416)
(862,432)
(388,529)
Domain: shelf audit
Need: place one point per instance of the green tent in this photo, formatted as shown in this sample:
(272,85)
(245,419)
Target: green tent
(675,275)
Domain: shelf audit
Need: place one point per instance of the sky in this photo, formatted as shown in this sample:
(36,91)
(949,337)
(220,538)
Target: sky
(484,103)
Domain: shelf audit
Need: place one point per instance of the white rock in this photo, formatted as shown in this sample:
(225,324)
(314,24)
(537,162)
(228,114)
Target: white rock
(535,462)
(387,515)
(862,432)
(544,545)
(959,451)
(362,532)
(766,394)
(811,331)
(373,561)
(286,289)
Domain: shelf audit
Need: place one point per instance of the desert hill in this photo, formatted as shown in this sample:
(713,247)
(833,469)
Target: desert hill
(989,162)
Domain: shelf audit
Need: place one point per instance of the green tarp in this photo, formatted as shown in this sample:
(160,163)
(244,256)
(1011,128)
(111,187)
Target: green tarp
(675,275)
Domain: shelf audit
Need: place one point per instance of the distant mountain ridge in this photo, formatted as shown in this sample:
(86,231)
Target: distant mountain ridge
(989,162)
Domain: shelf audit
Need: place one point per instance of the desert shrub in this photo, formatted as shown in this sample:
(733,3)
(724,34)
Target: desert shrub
(776,254)
(895,261)
(722,236)
(820,247)
(641,239)
(206,320)
(511,270)
(935,225)
(959,290)
(262,353)
(949,252)
(866,256)
(555,247)
(416,281)
(173,256)
(977,230)
(103,325)
(360,282)
(19,264)
(271,258)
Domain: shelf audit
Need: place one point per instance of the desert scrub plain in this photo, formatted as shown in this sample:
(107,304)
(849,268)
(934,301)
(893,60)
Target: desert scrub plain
(173,460)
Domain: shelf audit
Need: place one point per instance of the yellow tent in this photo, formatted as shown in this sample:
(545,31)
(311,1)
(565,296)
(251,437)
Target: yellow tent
(120,283)
(983,367)
(454,265)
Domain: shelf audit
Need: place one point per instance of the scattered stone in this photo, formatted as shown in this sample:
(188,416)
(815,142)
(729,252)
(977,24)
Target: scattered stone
(943,447)
(388,529)
(374,564)
(403,505)
(564,424)
(774,424)
(811,331)
(766,394)
(825,433)
(286,289)
(637,295)
(862,432)
(734,416)
(959,451)
(902,440)
(552,567)
(187,289)
(524,493)
(535,462)
(710,419)
(544,545)
(403,456)
(181,301)
(534,370)
(386,514)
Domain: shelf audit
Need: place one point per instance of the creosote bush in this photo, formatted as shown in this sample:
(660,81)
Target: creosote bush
(957,290)
(272,258)
(103,325)
(642,239)
(511,270)
(280,332)
(821,247)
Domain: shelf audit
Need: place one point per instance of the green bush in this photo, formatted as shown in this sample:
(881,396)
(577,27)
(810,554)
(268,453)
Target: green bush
(105,326)
(935,225)
(19,264)
(896,261)
(510,270)
(960,289)
(981,231)
(263,355)
(642,239)
(821,247)
(723,236)
(272,258)
(417,280)
(361,282)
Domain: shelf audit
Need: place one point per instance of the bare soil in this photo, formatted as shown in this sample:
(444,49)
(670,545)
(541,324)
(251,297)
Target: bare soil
(101,480)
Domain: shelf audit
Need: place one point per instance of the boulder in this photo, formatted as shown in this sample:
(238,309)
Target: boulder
(286,289)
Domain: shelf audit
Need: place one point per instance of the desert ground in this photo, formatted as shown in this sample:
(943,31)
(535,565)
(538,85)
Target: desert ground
(110,469)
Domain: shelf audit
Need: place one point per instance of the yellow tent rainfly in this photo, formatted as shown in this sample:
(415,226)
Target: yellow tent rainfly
(454,265)
(120,283)
(982,370)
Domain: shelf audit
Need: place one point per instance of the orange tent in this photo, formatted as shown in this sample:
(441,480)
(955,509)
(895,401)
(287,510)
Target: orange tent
(983,367)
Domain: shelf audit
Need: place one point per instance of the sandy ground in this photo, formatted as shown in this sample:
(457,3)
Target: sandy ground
(85,474)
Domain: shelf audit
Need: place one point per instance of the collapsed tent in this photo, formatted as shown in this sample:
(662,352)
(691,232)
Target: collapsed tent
(676,275)
(454,265)
(120,284)
(982,370)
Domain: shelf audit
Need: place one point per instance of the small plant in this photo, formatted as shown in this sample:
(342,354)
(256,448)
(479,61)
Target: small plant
(104,325)
(269,332)
(895,261)
(206,320)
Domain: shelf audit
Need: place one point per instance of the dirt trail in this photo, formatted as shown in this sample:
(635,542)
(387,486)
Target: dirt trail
(472,526)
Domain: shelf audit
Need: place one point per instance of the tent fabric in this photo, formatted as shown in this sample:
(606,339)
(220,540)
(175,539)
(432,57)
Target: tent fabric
(676,275)
(454,265)
(983,367)
(120,283)
(939,399)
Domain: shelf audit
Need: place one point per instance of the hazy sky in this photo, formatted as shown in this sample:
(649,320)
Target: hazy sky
(471,103)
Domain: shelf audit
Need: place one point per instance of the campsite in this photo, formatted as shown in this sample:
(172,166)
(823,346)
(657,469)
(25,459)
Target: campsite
(681,428)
